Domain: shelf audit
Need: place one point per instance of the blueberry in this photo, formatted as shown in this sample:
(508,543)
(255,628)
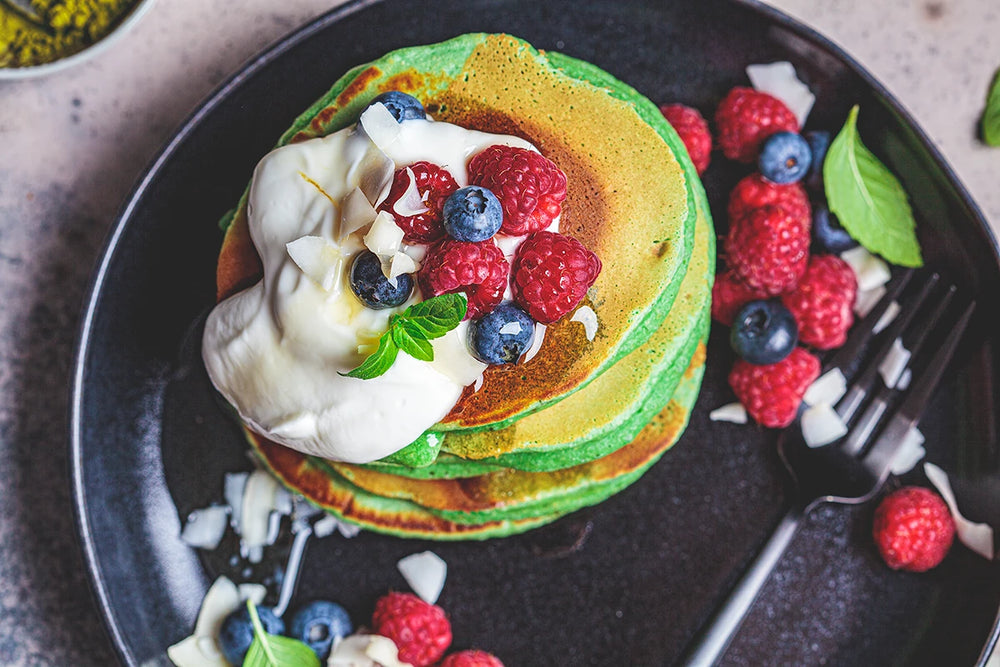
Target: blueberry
(819,142)
(784,158)
(319,624)
(472,214)
(401,106)
(764,332)
(827,233)
(502,335)
(373,288)
(236,633)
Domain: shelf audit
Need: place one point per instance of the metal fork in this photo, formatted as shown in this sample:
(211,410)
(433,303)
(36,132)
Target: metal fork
(853,469)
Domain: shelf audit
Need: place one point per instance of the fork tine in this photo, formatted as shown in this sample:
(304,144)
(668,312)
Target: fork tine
(879,459)
(869,420)
(862,386)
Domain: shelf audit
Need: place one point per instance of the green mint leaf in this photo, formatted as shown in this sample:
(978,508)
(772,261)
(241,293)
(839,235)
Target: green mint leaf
(991,116)
(438,315)
(869,201)
(411,339)
(275,651)
(379,361)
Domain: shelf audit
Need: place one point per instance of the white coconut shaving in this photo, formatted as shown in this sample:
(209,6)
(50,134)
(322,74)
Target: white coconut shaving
(205,527)
(510,329)
(734,413)
(201,649)
(536,343)
(976,536)
(356,212)
(890,314)
(870,271)
(828,388)
(780,80)
(410,203)
(319,259)
(894,364)
(586,316)
(380,125)
(426,573)
(821,425)
(866,300)
(910,452)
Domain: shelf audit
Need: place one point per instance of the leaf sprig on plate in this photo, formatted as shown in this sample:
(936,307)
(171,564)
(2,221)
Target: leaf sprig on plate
(868,200)
(411,332)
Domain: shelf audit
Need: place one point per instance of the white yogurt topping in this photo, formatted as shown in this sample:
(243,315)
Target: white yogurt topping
(275,349)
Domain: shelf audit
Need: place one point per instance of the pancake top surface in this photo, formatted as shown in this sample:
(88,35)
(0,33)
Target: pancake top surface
(628,198)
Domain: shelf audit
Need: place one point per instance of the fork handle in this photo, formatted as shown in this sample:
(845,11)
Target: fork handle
(716,636)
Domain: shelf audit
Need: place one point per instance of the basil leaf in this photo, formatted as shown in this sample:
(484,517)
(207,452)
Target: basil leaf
(991,116)
(275,651)
(379,361)
(411,339)
(869,201)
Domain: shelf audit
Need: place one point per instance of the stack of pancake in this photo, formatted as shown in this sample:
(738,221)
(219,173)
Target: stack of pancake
(587,415)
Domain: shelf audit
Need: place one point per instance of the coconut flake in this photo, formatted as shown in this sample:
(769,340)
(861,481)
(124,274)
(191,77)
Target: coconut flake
(779,79)
(870,271)
(356,212)
(734,413)
(894,364)
(201,649)
(380,125)
(258,503)
(365,651)
(828,388)
(821,425)
(319,259)
(348,530)
(385,237)
(425,572)
(891,311)
(253,592)
(976,536)
(233,485)
(205,527)
(410,203)
(904,380)
(866,300)
(536,344)
(325,527)
(478,384)
(586,316)
(399,264)
(511,328)
(909,453)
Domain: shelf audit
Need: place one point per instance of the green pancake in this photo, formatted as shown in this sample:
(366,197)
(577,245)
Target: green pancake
(630,198)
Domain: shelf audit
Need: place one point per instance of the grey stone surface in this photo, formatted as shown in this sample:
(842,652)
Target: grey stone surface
(72,144)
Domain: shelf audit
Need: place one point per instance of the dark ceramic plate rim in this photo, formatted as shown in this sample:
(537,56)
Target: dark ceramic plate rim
(277,50)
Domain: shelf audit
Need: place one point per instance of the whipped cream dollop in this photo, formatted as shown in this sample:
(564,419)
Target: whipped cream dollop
(276,349)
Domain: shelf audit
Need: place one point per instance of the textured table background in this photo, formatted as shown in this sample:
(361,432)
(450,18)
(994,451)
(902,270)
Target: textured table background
(72,144)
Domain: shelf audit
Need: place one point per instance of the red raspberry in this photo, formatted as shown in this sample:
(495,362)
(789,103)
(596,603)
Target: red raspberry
(693,131)
(473,658)
(552,273)
(823,302)
(745,117)
(913,529)
(420,630)
(530,187)
(768,249)
(755,191)
(729,294)
(772,394)
(434,184)
(478,269)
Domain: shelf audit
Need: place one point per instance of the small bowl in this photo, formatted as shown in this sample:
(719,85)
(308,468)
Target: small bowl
(137,11)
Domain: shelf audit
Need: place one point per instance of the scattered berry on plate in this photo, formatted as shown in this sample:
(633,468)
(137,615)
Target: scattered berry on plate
(754,191)
(827,233)
(784,158)
(729,294)
(420,630)
(319,625)
(420,216)
(401,106)
(373,288)
(772,394)
(551,275)
(764,332)
(745,118)
(472,213)
(768,248)
(819,143)
(236,633)
(530,187)
(913,529)
(478,269)
(692,128)
(823,302)
(502,335)
(471,658)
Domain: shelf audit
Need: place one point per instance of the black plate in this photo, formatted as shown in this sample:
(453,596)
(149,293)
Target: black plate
(150,444)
